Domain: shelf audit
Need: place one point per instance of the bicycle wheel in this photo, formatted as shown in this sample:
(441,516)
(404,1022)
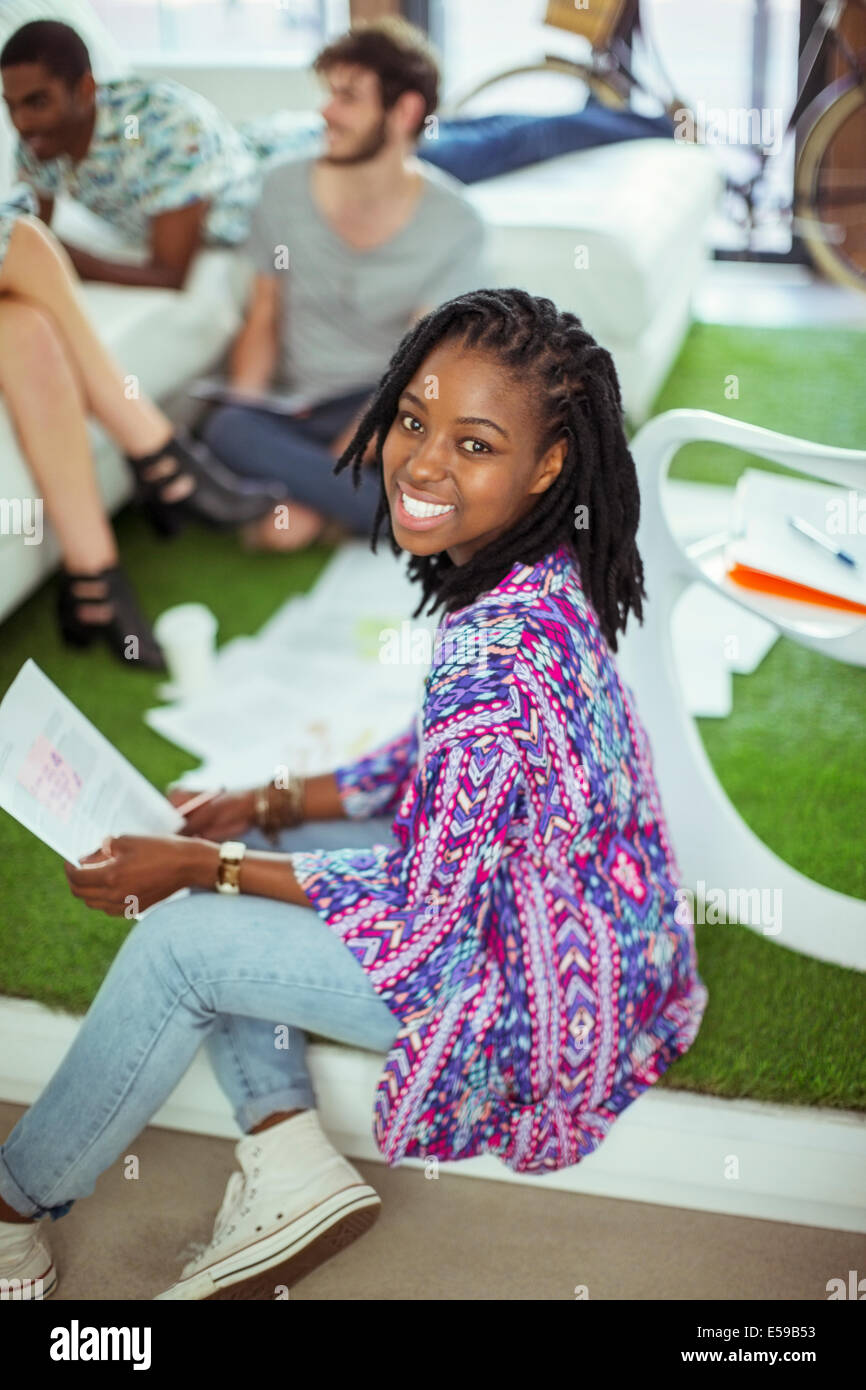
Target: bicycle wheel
(830,185)
(605,87)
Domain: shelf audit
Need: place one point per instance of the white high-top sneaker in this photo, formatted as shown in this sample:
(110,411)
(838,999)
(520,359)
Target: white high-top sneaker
(26,1267)
(296,1203)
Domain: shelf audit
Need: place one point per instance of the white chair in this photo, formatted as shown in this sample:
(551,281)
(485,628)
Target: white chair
(710,840)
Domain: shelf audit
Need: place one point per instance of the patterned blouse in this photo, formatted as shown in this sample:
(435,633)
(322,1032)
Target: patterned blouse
(525,929)
(159,146)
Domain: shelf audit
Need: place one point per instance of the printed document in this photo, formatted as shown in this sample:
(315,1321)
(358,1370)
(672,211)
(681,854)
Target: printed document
(63,780)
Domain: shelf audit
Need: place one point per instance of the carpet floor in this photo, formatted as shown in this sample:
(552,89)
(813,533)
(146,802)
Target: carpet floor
(449,1239)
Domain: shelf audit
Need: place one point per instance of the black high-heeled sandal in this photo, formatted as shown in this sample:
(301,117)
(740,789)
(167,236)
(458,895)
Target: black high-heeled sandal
(126,622)
(219,497)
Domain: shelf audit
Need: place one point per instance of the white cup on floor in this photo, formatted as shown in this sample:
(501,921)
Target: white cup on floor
(187,636)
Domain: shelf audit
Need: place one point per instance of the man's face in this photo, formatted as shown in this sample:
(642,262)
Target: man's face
(358,126)
(43,109)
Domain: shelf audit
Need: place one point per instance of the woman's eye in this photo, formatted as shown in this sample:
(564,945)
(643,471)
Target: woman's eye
(482,449)
(411,419)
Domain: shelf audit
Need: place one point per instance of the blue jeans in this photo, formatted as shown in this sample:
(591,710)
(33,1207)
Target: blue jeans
(295,450)
(472,148)
(208,968)
(478,147)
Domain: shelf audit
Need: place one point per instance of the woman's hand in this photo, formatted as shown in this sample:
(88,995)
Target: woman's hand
(225,817)
(132,872)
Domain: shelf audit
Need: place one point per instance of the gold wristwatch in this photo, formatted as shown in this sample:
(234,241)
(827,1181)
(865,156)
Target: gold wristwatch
(229,874)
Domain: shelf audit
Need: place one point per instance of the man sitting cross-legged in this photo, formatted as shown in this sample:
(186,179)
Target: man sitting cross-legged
(349,249)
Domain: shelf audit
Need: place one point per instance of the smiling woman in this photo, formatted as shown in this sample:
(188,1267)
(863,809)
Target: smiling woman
(513,434)
(513,938)
(497,478)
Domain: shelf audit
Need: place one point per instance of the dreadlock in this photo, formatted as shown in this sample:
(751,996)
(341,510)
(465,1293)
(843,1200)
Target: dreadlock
(576,391)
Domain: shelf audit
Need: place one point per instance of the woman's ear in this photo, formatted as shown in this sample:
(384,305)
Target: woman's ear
(549,466)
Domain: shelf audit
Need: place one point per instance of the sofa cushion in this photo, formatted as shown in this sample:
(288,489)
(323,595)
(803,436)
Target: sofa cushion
(161,338)
(164,337)
(601,231)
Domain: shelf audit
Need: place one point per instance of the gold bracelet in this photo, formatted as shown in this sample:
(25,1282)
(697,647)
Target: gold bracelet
(262,814)
(279,808)
(290,800)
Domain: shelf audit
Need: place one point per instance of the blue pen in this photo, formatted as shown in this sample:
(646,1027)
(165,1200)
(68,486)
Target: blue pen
(813,534)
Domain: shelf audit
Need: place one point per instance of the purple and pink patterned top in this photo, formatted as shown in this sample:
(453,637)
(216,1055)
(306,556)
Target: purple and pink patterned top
(525,929)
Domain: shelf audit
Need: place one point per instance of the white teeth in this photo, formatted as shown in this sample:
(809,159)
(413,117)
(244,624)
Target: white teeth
(421,509)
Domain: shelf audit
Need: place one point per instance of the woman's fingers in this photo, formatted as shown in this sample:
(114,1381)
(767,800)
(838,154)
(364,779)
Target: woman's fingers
(178,795)
(101,855)
(200,810)
(90,875)
(112,901)
(101,900)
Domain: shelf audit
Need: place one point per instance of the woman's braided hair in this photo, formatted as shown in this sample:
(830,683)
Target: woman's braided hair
(575,386)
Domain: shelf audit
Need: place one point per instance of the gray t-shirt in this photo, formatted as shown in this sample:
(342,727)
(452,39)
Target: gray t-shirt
(344,311)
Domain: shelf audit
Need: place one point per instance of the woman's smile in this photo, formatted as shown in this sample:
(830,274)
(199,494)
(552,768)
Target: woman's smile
(418,511)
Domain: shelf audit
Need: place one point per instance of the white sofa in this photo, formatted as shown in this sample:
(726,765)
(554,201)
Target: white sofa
(617,235)
(164,338)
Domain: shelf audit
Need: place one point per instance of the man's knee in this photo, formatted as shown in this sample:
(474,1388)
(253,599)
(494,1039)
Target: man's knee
(242,440)
(226,428)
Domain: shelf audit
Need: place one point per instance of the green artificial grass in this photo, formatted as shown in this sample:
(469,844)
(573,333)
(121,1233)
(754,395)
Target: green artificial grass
(810,383)
(779,1026)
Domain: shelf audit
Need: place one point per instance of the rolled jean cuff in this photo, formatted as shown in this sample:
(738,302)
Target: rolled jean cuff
(16,1197)
(258,1108)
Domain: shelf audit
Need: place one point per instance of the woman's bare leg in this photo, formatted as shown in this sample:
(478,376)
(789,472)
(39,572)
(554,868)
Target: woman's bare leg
(43,396)
(37,269)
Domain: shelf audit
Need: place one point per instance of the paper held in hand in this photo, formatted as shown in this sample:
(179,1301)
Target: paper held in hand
(63,780)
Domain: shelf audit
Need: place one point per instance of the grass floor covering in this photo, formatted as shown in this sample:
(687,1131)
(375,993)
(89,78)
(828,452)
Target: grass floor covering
(779,1026)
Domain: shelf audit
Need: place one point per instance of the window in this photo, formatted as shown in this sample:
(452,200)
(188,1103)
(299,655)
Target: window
(735,54)
(723,54)
(205,31)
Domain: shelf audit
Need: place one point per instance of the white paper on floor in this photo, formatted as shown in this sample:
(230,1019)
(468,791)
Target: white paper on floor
(331,675)
(713,637)
(335,672)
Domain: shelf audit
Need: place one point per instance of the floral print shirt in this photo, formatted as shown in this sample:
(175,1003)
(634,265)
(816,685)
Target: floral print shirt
(159,146)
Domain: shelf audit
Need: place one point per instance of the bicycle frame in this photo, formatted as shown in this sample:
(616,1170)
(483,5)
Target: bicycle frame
(825,26)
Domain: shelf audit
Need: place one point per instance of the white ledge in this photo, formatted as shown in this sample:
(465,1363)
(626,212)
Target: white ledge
(673,1148)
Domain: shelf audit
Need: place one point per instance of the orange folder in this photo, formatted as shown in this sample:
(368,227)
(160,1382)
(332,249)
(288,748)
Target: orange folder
(750,578)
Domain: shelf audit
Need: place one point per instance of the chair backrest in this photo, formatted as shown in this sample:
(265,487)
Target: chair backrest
(596,20)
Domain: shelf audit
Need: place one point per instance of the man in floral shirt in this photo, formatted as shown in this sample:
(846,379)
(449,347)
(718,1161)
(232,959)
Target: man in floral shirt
(154,159)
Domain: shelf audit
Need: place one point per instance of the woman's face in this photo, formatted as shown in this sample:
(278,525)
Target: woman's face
(459,461)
